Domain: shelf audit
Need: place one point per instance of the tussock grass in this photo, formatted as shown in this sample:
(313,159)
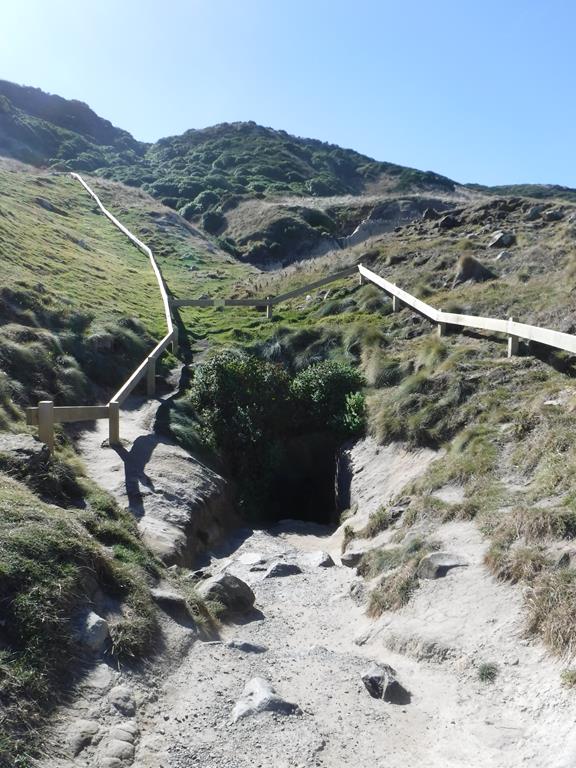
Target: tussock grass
(551,607)
(488,672)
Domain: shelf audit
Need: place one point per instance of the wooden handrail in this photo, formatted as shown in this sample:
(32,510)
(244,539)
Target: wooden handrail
(546,336)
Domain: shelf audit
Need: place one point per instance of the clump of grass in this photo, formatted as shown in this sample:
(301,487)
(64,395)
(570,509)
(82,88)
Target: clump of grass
(377,522)
(515,564)
(348,535)
(488,672)
(568,677)
(551,608)
(395,589)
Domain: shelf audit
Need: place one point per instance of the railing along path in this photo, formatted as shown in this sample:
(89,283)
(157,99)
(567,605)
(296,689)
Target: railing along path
(46,415)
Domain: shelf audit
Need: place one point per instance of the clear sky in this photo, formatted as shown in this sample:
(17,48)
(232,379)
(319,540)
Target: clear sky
(480,91)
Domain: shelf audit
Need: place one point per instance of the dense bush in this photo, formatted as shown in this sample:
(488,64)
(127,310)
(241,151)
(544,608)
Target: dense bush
(250,413)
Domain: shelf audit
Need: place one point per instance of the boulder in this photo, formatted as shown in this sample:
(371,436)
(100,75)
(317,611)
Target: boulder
(534,212)
(93,632)
(228,590)
(437,564)
(448,222)
(279,570)
(246,647)
(556,214)
(381,683)
(319,559)
(502,239)
(168,597)
(259,696)
(431,214)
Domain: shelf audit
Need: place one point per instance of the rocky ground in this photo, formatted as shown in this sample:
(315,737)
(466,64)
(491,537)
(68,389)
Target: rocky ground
(299,656)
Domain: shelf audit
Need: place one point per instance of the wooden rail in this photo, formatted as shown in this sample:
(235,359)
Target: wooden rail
(515,331)
(46,415)
(269,301)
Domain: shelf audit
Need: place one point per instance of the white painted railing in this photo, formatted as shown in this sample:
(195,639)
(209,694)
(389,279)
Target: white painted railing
(46,415)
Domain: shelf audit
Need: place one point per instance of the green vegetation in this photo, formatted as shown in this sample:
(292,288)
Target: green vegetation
(53,562)
(251,413)
(488,672)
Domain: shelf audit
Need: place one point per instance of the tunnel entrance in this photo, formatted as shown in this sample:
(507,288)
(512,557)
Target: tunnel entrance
(303,488)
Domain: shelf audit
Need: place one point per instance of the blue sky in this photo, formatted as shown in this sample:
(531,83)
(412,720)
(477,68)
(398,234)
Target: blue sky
(479,91)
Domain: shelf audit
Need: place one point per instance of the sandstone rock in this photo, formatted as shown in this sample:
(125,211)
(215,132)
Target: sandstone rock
(534,212)
(502,240)
(246,647)
(259,696)
(233,593)
(93,632)
(122,698)
(381,683)
(319,559)
(120,750)
(82,733)
(279,570)
(437,564)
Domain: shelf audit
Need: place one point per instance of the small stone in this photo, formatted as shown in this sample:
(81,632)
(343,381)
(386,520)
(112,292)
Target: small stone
(228,590)
(319,559)
(123,699)
(259,696)
(502,240)
(437,564)
(351,557)
(246,647)
(81,734)
(121,750)
(381,683)
(278,570)
(93,632)
(252,558)
(503,256)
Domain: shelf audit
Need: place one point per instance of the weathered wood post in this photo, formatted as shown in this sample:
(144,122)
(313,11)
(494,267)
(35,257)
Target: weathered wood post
(513,341)
(175,340)
(46,423)
(395,304)
(151,377)
(268,309)
(114,423)
(361,279)
(442,329)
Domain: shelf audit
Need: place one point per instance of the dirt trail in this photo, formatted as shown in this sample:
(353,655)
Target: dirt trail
(176,712)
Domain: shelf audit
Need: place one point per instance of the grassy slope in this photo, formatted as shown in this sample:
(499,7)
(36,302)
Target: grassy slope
(80,308)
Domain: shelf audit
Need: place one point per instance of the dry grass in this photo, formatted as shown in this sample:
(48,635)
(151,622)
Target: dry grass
(551,607)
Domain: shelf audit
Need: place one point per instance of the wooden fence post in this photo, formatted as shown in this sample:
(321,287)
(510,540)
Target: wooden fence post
(114,423)
(268,309)
(175,340)
(513,342)
(442,329)
(46,423)
(395,304)
(151,377)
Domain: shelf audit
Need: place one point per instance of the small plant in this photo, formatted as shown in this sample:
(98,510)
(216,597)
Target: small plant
(488,672)
(568,677)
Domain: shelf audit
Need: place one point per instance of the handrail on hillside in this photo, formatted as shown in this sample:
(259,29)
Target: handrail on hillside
(46,415)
